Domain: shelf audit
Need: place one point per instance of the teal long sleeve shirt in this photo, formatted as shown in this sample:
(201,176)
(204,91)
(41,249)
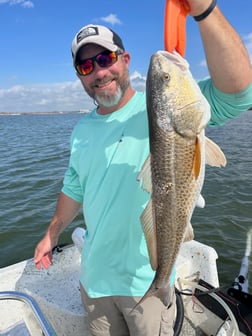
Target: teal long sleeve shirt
(107,153)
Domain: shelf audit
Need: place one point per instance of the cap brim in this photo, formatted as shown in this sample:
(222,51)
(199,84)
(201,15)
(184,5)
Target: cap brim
(92,40)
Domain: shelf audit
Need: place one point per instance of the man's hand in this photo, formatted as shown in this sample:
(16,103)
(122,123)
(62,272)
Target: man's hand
(66,211)
(197,7)
(43,253)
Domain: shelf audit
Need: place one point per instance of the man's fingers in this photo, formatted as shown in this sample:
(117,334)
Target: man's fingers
(45,261)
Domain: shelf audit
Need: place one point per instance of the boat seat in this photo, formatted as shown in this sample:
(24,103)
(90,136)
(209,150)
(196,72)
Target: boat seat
(18,329)
(28,318)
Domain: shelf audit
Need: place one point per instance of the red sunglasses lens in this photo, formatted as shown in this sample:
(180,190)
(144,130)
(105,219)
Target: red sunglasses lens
(85,67)
(104,59)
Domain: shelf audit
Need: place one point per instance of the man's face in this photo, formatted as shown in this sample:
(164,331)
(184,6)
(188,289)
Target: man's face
(106,85)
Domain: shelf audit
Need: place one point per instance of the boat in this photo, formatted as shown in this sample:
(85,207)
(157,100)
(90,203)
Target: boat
(48,302)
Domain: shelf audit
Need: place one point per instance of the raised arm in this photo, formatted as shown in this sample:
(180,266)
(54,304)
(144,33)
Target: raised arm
(227,58)
(66,211)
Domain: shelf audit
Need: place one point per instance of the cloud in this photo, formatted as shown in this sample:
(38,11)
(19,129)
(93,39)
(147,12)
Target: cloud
(49,97)
(22,3)
(27,4)
(65,96)
(248,43)
(203,64)
(112,19)
(138,81)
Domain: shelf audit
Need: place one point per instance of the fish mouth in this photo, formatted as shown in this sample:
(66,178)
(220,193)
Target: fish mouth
(175,58)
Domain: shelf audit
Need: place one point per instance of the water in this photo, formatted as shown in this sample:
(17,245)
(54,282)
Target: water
(34,156)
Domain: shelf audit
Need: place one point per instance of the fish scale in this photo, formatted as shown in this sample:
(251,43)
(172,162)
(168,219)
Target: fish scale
(168,197)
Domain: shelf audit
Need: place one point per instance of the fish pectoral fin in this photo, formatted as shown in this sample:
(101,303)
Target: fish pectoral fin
(145,175)
(149,229)
(197,159)
(214,155)
(200,203)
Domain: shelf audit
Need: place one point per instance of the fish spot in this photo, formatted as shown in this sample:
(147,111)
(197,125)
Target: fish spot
(168,187)
(164,188)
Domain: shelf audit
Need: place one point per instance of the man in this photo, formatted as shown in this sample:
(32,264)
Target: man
(108,148)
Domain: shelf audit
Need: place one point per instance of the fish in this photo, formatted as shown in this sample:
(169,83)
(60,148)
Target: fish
(174,172)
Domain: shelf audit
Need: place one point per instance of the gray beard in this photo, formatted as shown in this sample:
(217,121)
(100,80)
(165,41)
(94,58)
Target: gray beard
(107,101)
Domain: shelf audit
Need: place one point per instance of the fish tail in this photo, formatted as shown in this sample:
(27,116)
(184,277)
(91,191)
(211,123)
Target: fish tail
(163,293)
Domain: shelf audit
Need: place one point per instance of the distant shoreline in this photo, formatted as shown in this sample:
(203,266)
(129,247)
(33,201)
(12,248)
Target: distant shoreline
(40,113)
(53,112)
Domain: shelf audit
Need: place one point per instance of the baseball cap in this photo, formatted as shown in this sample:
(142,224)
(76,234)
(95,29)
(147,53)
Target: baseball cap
(96,34)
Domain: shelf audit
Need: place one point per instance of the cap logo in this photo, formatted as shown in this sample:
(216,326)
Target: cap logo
(88,31)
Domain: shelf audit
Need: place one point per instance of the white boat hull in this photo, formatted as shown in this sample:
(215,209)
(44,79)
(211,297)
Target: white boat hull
(57,291)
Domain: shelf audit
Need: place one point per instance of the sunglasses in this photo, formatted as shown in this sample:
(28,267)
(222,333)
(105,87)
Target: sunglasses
(104,59)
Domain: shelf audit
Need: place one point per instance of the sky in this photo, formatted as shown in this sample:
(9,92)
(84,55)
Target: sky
(36,71)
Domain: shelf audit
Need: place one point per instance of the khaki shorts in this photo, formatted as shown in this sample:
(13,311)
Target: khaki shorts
(113,316)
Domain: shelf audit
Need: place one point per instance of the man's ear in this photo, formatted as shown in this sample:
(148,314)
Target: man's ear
(126,57)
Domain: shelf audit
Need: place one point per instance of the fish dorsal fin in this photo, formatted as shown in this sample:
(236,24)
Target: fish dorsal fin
(197,159)
(145,175)
(149,228)
(214,155)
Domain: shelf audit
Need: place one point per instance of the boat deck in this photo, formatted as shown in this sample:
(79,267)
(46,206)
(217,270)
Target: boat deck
(56,291)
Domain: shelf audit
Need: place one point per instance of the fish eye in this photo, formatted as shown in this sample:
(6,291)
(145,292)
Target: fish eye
(166,77)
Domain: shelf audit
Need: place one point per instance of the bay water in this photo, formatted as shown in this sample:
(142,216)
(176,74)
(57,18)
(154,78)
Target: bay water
(34,153)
